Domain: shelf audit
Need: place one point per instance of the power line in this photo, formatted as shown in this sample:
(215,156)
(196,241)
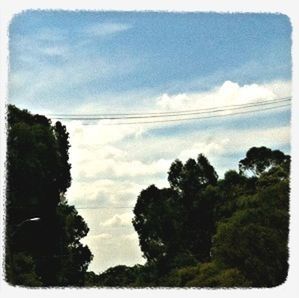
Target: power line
(197,118)
(119,116)
(165,113)
(162,119)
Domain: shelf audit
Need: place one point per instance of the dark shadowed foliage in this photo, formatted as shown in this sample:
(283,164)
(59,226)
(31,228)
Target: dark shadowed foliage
(42,230)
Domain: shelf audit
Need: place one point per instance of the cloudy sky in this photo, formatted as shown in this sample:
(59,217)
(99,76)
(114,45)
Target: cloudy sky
(141,62)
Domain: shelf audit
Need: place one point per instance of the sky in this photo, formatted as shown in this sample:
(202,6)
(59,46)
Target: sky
(117,62)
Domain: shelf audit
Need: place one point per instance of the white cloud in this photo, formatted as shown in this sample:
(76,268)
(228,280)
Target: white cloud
(112,245)
(121,168)
(104,29)
(131,237)
(99,134)
(118,250)
(55,51)
(229,93)
(208,146)
(118,220)
(103,192)
(102,236)
(43,42)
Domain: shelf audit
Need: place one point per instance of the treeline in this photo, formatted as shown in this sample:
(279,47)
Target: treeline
(43,232)
(202,231)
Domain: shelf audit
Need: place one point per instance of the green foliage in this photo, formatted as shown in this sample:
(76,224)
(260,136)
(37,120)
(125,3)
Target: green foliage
(91,279)
(192,176)
(63,178)
(38,176)
(75,257)
(178,220)
(254,239)
(206,275)
(231,232)
(118,276)
(21,270)
(154,213)
(259,160)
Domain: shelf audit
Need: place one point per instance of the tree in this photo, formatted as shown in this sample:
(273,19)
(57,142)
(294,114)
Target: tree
(193,181)
(74,257)
(23,271)
(38,175)
(178,221)
(254,239)
(63,176)
(205,232)
(119,276)
(259,160)
(228,232)
(207,275)
(192,177)
(155,221)
(227,192)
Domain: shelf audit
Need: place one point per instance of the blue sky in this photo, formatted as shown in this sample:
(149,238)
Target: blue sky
(162,52)
(115,62)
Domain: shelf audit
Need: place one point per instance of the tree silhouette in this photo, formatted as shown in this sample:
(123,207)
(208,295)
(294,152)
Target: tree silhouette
(207,232)
(38,175)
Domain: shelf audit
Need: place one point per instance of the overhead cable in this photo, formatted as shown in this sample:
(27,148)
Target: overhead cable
(141,114)
(119,116)
(199,118)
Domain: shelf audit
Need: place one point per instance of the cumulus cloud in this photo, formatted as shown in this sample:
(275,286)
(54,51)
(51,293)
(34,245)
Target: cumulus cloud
(209,147)
(229,93)
(118,220)
(100,134)
(113,167)
(103,192)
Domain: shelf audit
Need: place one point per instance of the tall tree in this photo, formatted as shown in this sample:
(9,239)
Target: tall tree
(178,221)
(38,175)
(156,222)
(190,181)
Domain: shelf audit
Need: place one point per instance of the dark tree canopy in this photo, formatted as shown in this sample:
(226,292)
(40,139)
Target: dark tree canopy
(178,221)
(193,176)
(38,175)
(254,238)
(259,160)
(207,232)
(158,232)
